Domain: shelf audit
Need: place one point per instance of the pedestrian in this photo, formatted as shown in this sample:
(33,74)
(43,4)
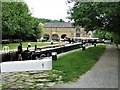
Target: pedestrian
(20,47)
(35,47)
(111,40)
(69,40)
(72,40)
(20,52)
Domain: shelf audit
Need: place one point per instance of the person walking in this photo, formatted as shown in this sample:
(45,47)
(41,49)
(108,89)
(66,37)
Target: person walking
(20,52)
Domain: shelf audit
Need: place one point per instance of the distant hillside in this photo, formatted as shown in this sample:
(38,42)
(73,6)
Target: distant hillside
(43,20)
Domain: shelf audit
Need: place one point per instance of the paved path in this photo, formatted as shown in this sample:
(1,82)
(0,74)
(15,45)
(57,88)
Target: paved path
(103,75)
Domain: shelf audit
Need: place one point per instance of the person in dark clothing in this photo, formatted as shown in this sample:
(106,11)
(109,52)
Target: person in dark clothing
(35,47)
(111,40)
(69,40)
(20,47)
(72,40)
(20,52)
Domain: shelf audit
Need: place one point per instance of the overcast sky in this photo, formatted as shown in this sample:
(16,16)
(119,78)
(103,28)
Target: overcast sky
(49,9)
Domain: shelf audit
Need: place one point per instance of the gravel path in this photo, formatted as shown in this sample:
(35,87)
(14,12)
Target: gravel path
(103,75)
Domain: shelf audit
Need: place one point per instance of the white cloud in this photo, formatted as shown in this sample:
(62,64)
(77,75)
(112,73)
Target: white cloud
(50,9)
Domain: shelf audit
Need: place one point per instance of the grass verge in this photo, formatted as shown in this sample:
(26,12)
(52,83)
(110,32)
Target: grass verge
(77,63)
(25,44)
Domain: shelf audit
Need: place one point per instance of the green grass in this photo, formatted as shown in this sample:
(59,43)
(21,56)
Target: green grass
(0,85)
(77,63)
(24,44)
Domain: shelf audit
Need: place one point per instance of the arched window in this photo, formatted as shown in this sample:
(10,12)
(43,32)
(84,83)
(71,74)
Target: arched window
(77,30)
(55,37)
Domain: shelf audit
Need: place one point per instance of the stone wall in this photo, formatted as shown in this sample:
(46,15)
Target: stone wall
(70,32)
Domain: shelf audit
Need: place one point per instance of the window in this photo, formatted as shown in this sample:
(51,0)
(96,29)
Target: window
(55,37)
(77,35)
(77,30)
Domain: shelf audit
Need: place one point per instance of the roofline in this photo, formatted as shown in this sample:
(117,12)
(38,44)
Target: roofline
(67,26)
(59,27)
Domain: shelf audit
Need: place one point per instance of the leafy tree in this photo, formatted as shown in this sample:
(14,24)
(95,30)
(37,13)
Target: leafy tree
(37,31)
(103,34)
(17,22)
(93,15)
(108,35)
(62,20)
(97,16)
(43,20)
(116,38)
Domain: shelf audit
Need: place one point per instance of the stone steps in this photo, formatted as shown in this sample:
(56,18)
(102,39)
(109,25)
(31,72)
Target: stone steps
(41,76)
(42,80)
(33,79)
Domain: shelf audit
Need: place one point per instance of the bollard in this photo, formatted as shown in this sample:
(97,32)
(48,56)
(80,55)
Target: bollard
(54,55)
(83,47)
(94,44)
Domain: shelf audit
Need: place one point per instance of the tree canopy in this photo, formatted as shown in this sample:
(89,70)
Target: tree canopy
(94,15)
(17,22)
(43,20)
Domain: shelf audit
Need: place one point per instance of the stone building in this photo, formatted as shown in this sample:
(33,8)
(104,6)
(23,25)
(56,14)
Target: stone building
(60,30)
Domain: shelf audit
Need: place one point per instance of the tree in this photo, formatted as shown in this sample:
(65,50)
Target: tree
(37,31)
(97,16)
(62,20)
(93,15)
(103,34)
(108,35)
(17,22)
(43,20)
